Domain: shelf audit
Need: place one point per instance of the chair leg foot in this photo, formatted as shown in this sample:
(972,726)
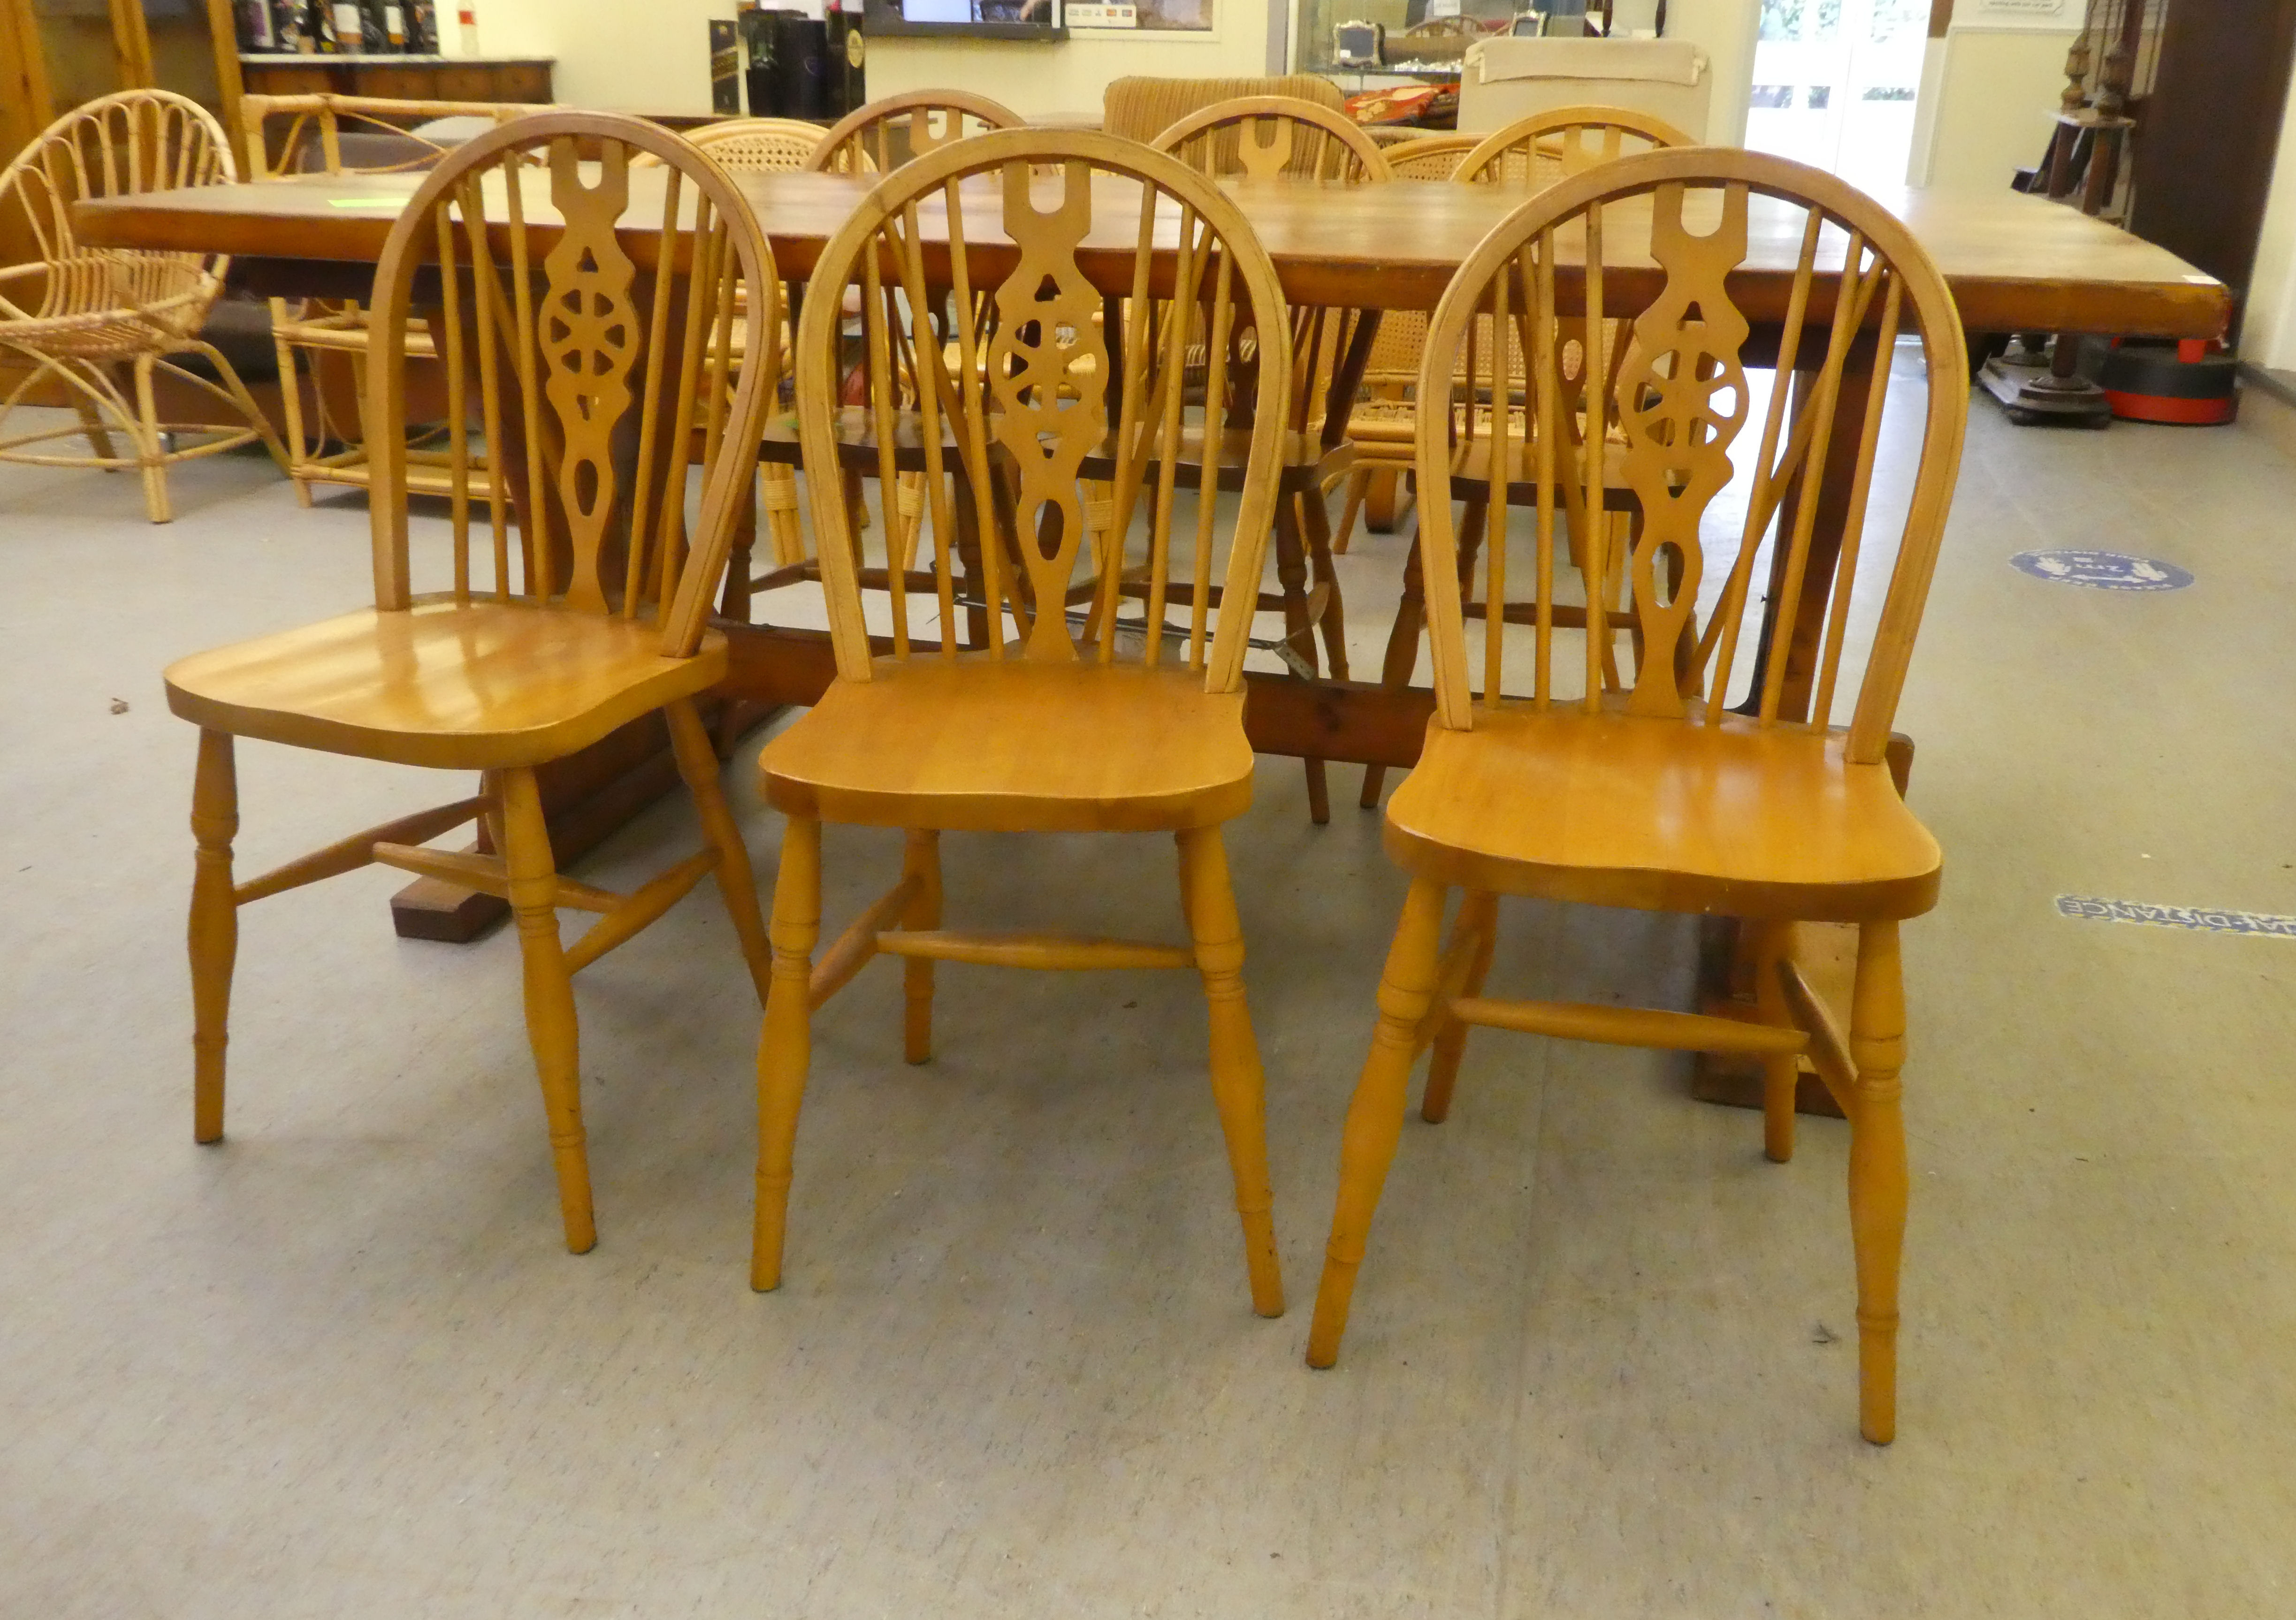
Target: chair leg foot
(214,931)
(550,1023)
(1238,1085)
(785,1046)
(1375,1115)
(1877,1172)
(920,860)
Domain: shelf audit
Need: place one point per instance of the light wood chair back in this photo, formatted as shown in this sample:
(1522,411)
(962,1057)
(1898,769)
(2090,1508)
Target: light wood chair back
(895,130)
(599,365)
(1553,145)
(1259,137)
(999,372)
(98,301)
(303,134)
(776,146)
(1681,399)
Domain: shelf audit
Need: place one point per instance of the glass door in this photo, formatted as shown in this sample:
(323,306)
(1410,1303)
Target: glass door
(1834,83)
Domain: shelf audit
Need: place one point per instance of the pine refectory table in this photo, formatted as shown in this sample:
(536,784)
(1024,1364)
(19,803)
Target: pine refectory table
(2015,263)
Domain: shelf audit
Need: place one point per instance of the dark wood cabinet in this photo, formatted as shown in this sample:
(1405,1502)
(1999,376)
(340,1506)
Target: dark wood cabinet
(408,79)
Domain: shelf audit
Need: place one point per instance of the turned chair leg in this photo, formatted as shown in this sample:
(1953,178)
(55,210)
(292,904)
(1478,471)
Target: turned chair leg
(1358,481)
(1238,1085)
(214,932)
(1402,658)
(1316,530)
(1770,947)
(1478,920)
(1375,1116)
(697,762)
(91,427)
(550,1026)
(156,505)
(922,860)
(734,599)
(781,503)
(1877,1172)
(785,1046)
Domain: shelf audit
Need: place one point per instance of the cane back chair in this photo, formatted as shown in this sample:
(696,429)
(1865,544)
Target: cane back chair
(79,313)
(352,134)
(587,355)
(1264,137)
(1079,714)
(1652,796)
(1532,153)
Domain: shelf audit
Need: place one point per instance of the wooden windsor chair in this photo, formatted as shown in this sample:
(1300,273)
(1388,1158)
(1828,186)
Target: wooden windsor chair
(1534,152)
(328,340)
(1263,137)
(870,139)
(78,314)
(1087,717)
(578,355)
(1652,796)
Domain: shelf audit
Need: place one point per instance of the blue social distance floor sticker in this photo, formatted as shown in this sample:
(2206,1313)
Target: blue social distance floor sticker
(2102,570)
(2205,919)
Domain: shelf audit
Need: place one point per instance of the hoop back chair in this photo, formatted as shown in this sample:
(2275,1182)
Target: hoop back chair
(1263,137)
(883,134)
(302,134)
(1079,714)
(79,312)
(1651,796)
(585,354)
(1533,152)
(777,146)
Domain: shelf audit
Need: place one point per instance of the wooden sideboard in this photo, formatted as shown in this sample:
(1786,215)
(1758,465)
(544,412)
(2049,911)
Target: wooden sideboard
(410,78)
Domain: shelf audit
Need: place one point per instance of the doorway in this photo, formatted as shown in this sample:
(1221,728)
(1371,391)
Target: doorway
(1834,86)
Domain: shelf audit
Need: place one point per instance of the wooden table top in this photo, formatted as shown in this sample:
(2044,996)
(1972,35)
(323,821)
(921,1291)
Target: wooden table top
(2015,262)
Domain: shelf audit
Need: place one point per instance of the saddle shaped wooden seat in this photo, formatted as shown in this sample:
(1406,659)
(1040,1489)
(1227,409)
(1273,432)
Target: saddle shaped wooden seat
(1696,787)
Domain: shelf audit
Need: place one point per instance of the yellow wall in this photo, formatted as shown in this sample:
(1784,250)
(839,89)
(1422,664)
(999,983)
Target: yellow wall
(653,57)
(1996,103)
(2268,335)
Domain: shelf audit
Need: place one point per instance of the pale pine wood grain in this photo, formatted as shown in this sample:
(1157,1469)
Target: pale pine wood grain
(603,624)
(1650,794)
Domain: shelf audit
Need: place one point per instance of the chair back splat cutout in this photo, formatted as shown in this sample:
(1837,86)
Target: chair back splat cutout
(1562,142)
(888,132)
(1548,277)
(590,365)
(1047,347)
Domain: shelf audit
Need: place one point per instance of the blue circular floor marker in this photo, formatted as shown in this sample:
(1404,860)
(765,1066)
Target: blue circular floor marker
(2102,570)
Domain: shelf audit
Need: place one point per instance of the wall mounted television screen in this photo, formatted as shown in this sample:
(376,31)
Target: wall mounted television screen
(997,19)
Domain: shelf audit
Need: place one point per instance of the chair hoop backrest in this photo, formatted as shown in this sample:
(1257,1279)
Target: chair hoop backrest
(1060,351)
(1259,137)
(119,145)
(778,146)
(1564,141)
(868,132)
(1678,396)
(587,291)
(1430,157)
(321,119)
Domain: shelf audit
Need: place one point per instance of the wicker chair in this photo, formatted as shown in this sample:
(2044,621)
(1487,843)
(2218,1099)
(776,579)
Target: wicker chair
(80,313)
(350,134)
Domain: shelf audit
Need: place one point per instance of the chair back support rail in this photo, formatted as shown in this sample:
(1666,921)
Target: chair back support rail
(590,371)
(1680,399)
(1035,371)
(301,128)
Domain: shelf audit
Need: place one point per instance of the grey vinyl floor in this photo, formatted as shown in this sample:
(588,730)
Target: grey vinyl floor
(1601,1360)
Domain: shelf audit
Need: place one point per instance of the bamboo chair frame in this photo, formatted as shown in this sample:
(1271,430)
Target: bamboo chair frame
(586,370)
(1076,719)
(1657,795)
(77,313)
(300,128)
